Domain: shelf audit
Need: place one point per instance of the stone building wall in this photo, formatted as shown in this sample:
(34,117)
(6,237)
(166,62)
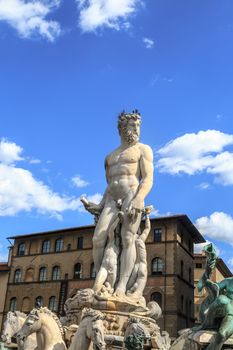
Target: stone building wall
(4,274)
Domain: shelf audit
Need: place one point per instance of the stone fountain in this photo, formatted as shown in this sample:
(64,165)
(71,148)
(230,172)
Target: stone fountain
(119,252)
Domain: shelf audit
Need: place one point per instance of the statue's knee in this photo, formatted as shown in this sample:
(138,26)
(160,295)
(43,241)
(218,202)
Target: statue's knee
(221,336)
(223,300)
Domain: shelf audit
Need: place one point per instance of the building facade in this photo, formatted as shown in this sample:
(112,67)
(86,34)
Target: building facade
(49,267)
(4,276)
(220,272)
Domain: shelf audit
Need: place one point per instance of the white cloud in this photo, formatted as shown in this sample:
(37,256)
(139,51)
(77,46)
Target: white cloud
(79,182)
(222,167)
(113,14)
(34,161)
(95,198)
(156,213)
(218,225)
(195,153)
(9,152)
(203,186)
(29,17)
(20,191)
(149,43)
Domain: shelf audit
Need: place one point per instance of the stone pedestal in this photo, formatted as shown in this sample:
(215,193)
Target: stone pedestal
(125,324)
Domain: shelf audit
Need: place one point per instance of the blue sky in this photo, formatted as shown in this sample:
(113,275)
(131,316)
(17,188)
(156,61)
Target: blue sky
(67,68)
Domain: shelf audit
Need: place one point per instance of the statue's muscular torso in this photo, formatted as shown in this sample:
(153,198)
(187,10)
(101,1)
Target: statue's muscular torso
(123,170)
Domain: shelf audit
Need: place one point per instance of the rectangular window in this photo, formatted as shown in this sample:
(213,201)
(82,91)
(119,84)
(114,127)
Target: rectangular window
(80,243)
(157,235)
(21,249)
(198,265)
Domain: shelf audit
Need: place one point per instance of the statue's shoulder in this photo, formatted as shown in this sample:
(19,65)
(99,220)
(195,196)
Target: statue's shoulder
(111,155)
(146,151)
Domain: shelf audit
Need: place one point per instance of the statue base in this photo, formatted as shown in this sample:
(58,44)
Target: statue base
(190,340)
(126,324)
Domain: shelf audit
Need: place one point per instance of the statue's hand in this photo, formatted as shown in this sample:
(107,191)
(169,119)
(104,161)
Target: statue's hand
(136,206)
(93,208)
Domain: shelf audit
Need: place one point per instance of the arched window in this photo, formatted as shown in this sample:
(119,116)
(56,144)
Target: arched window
(13,304)
(53,304)
(59,245)
(182,268)
(18,275)
(93,271)
(157,266)
(157,297)
(21,249)
(43,274)
(26,305)
(29,275)
(56,275)
(77,271)
(39,301)
(46,246)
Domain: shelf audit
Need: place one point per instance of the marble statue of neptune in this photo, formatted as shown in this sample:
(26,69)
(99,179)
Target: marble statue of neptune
(129,174)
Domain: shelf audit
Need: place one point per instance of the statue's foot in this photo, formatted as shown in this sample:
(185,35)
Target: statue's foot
(132,294)
(120,293)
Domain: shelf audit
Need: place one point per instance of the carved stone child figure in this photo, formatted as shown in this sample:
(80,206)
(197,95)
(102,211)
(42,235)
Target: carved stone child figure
(138,278)
(108,269)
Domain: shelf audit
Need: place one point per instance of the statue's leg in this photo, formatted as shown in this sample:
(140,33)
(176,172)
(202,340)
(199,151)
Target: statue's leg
(141,280)
(225,331)
(129,229)
(217,309)
(101,232)
(100,278)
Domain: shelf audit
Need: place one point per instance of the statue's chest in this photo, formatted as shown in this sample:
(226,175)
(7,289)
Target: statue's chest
(131,155)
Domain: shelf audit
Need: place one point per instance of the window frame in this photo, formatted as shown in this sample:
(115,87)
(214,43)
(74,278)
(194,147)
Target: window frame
(59,244)
(78,275)
(56,273)
(13,302)
(54,303)
(21,252)
(158,234)
(80,243)
(46,246)
(18,276)
(43,275)
(159,266)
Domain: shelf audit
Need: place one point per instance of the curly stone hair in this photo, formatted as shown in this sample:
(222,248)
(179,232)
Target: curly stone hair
(123,119)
